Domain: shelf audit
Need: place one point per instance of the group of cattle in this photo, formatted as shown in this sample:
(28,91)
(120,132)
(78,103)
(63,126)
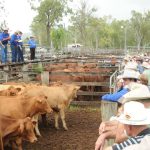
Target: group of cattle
(21,104)
(77,72)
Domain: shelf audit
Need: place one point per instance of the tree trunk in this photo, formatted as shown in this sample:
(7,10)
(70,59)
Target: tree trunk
(48,35)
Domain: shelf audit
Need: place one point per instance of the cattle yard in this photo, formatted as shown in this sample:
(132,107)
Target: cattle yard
(94,75)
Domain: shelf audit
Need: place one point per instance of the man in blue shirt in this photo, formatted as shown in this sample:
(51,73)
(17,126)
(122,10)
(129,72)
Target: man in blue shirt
(32,44)
(5,38)
(14,46)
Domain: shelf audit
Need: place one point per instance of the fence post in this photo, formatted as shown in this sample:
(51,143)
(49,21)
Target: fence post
(45,77)
(108,109)
(25,73)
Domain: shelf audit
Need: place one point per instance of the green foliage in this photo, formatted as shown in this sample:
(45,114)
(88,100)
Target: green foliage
(57,36)
(86,28)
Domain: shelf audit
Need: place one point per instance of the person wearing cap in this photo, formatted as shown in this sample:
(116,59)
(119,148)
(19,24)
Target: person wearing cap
(14,46)
(135,118)
(32,44)
(20,57)
(5,38)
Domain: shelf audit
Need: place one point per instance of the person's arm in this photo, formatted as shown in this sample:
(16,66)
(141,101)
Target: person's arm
(2,44)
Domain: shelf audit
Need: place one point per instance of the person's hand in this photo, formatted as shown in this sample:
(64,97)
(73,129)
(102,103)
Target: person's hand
(102,128)
(108,126)
(99,145)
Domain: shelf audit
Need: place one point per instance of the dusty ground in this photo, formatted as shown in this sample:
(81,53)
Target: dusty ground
(83,131)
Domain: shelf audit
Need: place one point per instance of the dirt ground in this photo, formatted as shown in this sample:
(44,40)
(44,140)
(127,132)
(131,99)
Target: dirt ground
(83,131)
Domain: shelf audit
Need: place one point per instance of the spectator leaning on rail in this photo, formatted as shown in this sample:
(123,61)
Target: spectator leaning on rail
(5,38)
(128,77)
(32,44)
(14,46)
(136,119)
(20,57)
(114,129)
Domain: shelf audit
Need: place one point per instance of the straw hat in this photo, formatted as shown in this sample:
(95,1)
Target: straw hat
(130,74)
(134,113)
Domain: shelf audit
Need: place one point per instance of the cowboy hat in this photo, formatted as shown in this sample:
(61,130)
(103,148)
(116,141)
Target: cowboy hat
(130,74)
(134,113)
(137,92)
(131,65)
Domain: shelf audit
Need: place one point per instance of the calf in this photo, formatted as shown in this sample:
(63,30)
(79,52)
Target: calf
(16,130)
(58,97)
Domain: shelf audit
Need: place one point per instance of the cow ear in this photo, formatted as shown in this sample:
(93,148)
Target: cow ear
(21,128)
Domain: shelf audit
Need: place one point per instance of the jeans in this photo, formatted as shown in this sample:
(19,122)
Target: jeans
(20,54)
(13,53)
(4,53)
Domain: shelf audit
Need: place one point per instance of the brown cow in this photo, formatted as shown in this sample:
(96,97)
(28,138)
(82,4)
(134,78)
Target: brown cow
(58,97)
(22,106)
(16,130)
(11,91)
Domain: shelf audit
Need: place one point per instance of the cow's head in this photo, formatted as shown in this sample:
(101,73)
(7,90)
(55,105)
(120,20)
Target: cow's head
(27,130)
(12,91)
(73,91)
(42,105)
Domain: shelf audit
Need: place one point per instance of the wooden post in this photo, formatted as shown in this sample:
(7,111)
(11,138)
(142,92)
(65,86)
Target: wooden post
(108,109)
(25,73)
(45,77)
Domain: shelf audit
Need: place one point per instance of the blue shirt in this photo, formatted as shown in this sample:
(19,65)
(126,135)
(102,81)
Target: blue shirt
(115,96)
(1,37)
(5,35)
(32,43)
(14,39)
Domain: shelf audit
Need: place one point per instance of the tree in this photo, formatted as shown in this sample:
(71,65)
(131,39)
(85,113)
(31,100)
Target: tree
(57,36)
(50,12)
(3,14)
(80,20)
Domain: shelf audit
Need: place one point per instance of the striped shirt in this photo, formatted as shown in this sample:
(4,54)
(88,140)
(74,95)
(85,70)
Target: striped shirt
(132,140)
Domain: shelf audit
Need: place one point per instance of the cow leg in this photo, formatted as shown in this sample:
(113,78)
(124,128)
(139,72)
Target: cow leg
(35,118)
(62,115)
(56,115)
(19,143)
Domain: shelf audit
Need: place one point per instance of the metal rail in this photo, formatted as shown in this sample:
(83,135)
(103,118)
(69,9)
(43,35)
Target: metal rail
(112,80)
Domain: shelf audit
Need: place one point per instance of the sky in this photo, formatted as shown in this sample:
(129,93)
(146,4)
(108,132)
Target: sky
(20,15)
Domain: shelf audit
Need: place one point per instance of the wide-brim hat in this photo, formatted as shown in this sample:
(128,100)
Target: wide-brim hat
(131,65)
(130,74)
(137,93)
(134,113)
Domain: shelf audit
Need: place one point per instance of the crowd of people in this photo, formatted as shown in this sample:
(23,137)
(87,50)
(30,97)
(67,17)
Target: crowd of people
(16,45)
(130,128)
